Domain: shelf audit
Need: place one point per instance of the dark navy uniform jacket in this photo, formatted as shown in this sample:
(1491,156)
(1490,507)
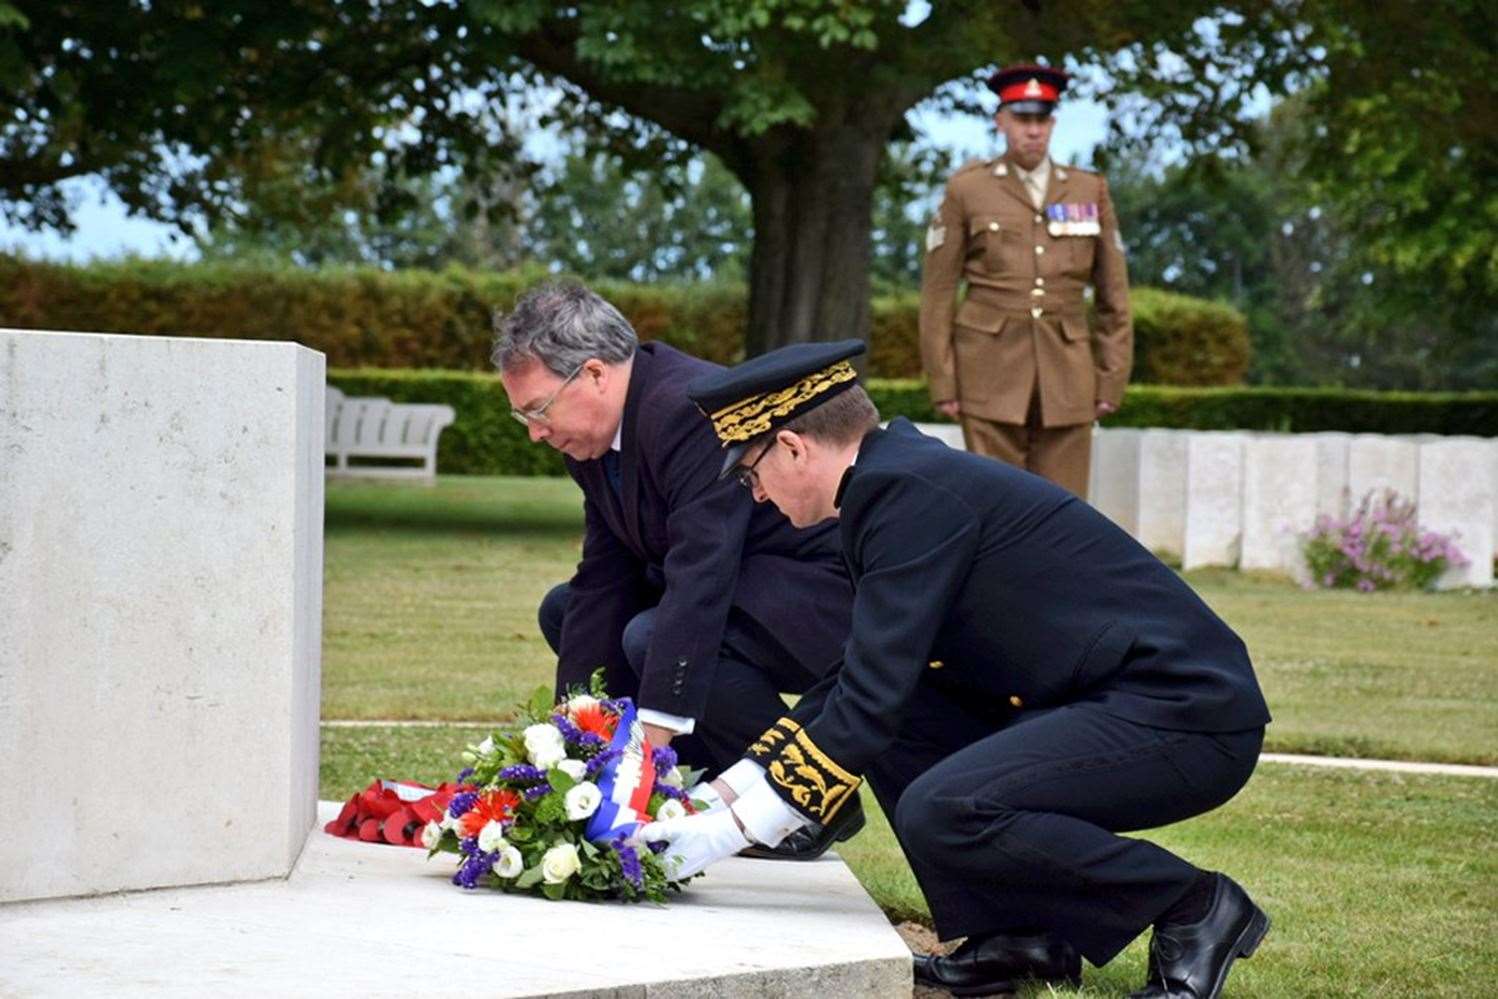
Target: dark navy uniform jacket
(1009,591)
(677,537)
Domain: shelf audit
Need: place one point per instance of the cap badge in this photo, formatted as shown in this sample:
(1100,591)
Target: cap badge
(1032,89)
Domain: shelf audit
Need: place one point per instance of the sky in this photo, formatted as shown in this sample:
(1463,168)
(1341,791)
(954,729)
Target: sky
(105,230)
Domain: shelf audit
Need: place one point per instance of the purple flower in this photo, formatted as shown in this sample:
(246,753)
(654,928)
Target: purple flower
(667,791)
(664,757)
(468,875)
(602,760)
(629,862)
(468,846)
(539,791)
(462,804)
(463,775)
(522,772)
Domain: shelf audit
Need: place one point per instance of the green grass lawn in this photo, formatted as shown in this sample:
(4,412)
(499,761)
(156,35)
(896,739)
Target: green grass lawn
(431,593)
(1378,884)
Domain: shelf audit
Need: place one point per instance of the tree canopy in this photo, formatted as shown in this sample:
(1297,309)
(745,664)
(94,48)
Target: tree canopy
(193,111)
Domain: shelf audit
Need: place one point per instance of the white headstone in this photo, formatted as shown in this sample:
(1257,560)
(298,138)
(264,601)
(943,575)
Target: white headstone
(1214,499)
(1331,473)
(1279,498)
(1457,496)
(948,433)
(1376,463)
(161,580)
(1162,491)
(1114,484)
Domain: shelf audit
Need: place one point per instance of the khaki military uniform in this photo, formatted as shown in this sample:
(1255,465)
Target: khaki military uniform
(1016,352)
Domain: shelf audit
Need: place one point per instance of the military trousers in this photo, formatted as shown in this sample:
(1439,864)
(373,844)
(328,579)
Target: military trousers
(744,698)
(1015,828)
(1061,454)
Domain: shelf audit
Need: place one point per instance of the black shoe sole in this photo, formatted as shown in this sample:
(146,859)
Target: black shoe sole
(1248,941)
(1001,988)
(758,852)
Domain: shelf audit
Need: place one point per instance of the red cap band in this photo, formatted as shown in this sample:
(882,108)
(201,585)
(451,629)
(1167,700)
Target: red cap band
(1032,89)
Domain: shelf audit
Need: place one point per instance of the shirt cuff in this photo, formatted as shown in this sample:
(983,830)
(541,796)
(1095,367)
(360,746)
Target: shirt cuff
(676,723)
(742,776)
(767,819)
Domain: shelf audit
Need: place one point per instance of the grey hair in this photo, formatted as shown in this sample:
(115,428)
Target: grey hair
(561,324)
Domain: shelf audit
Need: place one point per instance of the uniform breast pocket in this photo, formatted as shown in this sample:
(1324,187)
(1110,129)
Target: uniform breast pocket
(1080,251)
(986,235)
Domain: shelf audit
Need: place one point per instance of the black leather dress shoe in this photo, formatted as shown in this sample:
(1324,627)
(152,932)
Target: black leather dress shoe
(810,842)
(1192,960)
(996,965)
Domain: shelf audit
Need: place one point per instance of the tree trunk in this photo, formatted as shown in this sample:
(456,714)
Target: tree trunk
(813,196)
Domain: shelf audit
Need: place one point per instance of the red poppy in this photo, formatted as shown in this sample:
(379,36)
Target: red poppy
(492,806)
(593,718)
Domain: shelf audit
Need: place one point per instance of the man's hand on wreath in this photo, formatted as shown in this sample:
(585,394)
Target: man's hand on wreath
(695,841)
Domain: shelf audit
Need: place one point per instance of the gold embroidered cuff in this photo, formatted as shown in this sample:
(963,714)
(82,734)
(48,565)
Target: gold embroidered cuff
(809,779)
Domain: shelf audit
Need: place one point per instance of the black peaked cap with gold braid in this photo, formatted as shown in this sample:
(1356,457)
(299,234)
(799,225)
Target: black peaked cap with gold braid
(768,391)
(809,779)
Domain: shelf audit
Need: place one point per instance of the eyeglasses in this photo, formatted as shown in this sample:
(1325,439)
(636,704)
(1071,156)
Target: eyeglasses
(538,414)
(747,476)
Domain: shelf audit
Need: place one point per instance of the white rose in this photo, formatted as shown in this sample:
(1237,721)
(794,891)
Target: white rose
(581,703)
(491,837)
(576,769)
(448,820)
(544,745)
(670,809)
(431,835)
(671,778)
(582,800)
(487,746)
(509,863)
(560,863)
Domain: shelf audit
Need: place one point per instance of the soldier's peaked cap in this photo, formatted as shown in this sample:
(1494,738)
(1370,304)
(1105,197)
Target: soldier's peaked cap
(766,392)
(1028,89)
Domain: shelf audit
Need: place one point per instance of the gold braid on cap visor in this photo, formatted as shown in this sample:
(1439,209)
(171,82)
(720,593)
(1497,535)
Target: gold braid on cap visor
(753,416)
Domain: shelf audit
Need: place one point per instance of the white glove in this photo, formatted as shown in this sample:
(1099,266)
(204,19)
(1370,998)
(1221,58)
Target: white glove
(706,796)
(696,840)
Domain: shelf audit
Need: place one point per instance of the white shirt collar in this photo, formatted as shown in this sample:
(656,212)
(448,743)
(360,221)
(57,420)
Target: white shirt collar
(618,444)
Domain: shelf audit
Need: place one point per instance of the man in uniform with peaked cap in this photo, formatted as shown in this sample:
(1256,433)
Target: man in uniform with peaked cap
(1015,361)
(1022,682)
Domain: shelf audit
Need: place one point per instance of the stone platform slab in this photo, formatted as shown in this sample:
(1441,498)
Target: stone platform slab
(365,919)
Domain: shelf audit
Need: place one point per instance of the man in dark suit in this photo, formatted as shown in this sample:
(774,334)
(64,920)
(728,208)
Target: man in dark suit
(1022,682)
(696,601)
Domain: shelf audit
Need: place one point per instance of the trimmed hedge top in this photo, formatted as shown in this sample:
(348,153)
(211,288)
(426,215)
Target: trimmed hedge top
(364,317)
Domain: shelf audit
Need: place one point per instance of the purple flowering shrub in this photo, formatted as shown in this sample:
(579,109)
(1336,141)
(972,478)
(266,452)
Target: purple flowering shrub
(1380,547)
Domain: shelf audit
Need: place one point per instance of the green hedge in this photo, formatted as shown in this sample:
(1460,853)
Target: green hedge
(486,441)
(364,317)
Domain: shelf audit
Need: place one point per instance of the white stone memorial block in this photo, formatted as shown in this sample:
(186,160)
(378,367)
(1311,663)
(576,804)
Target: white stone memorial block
(1114,484)
(1279,498)
(161,580)
(949,434)
(1214,499)
(1376,463)
(1162,491)
(1457,495)
(1331,473)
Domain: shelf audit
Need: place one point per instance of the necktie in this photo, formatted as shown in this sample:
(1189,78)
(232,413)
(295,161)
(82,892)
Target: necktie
(611,469)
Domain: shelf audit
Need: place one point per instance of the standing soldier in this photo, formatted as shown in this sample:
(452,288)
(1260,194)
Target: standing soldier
(1015,361)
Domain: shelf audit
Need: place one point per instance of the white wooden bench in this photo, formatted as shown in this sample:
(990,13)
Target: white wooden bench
(370,428)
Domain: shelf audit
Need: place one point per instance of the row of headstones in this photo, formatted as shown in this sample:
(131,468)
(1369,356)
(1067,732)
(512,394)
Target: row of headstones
(1247,499)
(1243,499)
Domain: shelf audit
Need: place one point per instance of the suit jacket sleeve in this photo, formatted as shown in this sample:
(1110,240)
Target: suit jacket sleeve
(607,590)
(946,240)
(706,525)
(1113,340)
(915,543)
